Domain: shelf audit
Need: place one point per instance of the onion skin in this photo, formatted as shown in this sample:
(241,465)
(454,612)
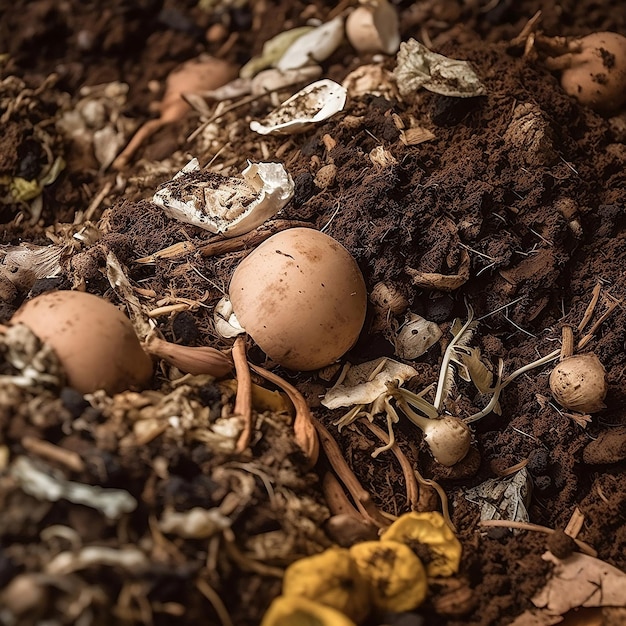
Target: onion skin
(578,383)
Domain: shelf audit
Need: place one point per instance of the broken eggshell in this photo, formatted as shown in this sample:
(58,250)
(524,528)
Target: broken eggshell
(314,46)
(415,336)
(311,105)
(225,204)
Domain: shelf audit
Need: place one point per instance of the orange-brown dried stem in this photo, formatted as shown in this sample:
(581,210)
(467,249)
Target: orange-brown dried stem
(303,424)
(361,497)
(412,487)
(243,400)
(336,498)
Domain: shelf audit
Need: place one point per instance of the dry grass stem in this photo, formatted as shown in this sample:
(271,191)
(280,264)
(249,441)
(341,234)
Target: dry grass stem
(251,239)
(216,602)
(502,523)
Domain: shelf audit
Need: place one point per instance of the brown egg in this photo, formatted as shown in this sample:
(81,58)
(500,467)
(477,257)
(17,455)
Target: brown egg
(94,340)
(301,296)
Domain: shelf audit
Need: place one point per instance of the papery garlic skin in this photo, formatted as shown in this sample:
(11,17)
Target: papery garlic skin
(578,383)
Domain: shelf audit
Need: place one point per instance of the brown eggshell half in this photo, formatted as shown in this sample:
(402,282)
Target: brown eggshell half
(301,296)
(94,340)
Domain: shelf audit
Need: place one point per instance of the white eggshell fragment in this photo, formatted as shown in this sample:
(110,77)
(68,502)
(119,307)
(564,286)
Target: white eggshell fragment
(314,46)
(415,336)
(311,105)
(225,204)
(95,342)
(301,296)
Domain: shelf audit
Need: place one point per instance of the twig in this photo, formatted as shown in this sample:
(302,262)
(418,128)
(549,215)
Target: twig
(303,424)
(502,523)
(591,307)
(250,240)
(243,400)
(72,460)
(336,498)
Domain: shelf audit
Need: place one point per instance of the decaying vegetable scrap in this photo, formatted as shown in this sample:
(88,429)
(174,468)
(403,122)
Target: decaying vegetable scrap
(417,66)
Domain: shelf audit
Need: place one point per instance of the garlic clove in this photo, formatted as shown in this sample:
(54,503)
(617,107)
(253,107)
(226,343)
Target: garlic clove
(314,46)
(311,105)
(226,323)
(448,438)
(225,204)
(579,383)
(374,28)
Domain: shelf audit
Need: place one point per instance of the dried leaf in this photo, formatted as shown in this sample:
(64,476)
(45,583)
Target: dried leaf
(418,67)
(581,580)
(503,498)
(478,372)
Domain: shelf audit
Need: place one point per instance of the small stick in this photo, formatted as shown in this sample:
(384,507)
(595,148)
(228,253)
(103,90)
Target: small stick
(336,498)
(303,424)
(567,344)
(72,460)
(591,307)
(575,524)
(213,597)
(243,400)
(249,240)
(502,523)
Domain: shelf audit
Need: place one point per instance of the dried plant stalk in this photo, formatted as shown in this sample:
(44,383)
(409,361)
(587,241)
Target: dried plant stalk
(243,400)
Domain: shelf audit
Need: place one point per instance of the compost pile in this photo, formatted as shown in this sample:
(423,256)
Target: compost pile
(485,210)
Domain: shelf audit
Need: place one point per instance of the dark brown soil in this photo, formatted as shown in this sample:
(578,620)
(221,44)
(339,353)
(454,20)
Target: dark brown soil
(525,180)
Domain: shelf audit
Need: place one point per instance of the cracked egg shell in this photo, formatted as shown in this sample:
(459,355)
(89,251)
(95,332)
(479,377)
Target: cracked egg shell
(95,342)
(301,296)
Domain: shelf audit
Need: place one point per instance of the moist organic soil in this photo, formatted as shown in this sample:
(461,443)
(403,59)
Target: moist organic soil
(517,198)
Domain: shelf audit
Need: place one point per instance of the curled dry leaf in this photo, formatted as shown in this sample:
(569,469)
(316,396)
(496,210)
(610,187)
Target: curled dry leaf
(417,66)
(503,498)
(225,204)
(311,105)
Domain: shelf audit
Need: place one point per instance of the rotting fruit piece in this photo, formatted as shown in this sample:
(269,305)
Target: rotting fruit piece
(396,576)
(298,611)
(430,530)
(331,578)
